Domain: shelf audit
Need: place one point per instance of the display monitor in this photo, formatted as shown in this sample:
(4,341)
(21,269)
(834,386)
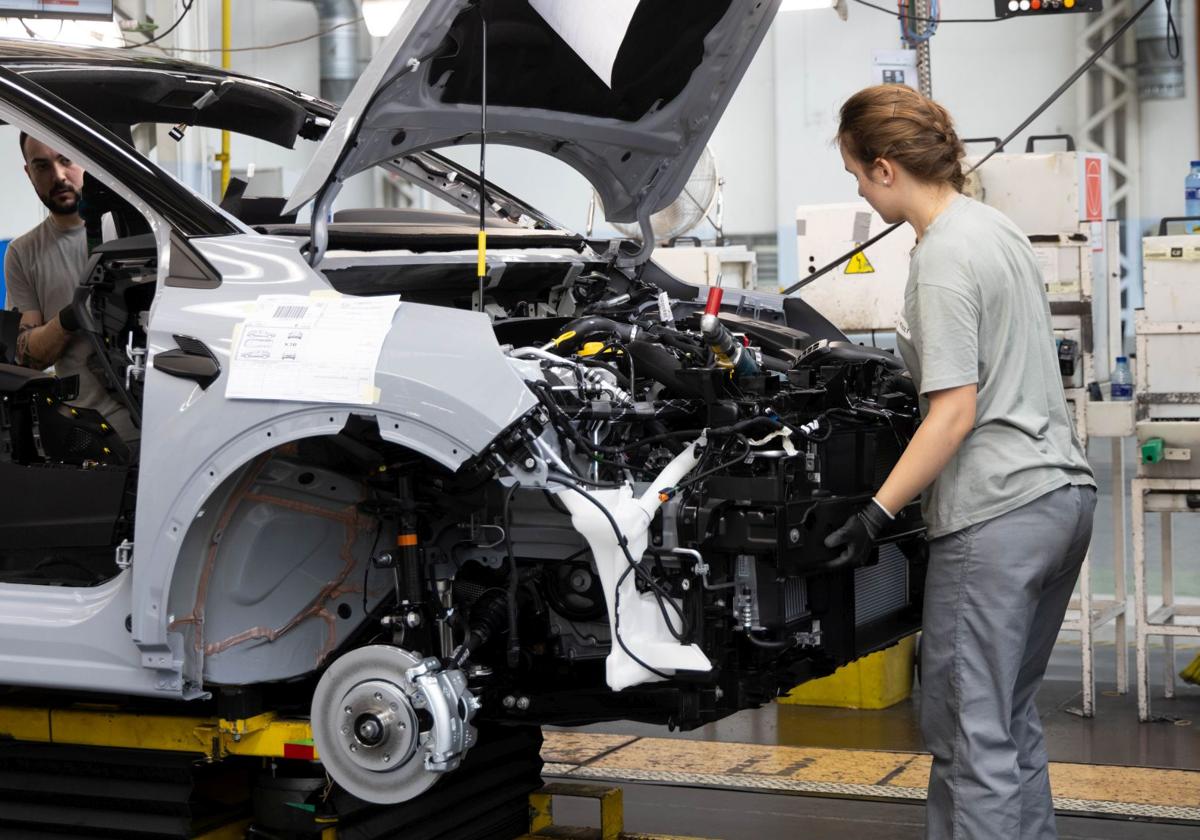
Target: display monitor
(69,9)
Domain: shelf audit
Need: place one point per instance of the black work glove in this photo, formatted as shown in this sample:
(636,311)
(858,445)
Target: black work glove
(858,535)
(67,318)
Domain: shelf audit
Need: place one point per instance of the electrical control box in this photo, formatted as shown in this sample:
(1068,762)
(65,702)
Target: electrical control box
(866,293)
(1033,8)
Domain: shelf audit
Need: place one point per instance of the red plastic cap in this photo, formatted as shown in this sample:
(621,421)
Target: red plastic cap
(713,306)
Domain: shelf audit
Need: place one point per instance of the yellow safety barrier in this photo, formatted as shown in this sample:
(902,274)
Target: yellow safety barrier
(874,682)
(265,735)
(612,815)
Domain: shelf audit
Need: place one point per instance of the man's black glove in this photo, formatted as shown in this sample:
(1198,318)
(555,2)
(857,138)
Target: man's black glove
(858,535)
(68,319)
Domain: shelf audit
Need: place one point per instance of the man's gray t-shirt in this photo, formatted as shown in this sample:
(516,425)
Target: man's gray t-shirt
(975,312)
(42,269)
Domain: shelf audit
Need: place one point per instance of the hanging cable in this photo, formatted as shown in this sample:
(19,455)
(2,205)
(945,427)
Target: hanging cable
(483,74)
(1172,35)
(1037,112)
(274,46)
(187,7)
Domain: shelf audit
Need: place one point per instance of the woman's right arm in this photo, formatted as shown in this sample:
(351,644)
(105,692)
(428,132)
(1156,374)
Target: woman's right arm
(949,420)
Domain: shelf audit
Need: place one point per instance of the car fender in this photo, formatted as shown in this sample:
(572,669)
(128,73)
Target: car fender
(445,391)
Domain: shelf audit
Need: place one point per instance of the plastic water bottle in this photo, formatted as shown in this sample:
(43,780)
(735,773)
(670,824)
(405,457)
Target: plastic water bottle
(1121,383)
(1191,197)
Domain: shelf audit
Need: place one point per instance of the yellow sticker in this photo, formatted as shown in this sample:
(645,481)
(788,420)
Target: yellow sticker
(859,264)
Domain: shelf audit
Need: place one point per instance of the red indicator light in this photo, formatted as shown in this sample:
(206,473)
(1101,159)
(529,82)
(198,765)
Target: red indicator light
(1035,4)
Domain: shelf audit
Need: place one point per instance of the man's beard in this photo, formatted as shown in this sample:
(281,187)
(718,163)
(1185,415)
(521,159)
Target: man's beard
(62,201)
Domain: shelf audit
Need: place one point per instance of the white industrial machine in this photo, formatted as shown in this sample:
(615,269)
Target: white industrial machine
(1167,394)
(867,293)
(1060,200)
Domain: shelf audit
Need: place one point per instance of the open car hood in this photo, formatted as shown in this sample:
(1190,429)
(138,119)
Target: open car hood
(625,91)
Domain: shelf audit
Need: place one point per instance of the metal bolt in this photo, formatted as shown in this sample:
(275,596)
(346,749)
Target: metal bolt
(354,748)
(529,464)
(345,730)
(378,696)
(386,758)
(523,704)
(685,584)
(401,725)
(794,535)
(349,711)
(369,729)
(509,701)
(717,692)
(393,706)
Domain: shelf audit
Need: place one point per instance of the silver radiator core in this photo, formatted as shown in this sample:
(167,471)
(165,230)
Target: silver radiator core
(881,589)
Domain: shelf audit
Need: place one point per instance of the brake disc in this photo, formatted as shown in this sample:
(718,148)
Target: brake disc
(388,724)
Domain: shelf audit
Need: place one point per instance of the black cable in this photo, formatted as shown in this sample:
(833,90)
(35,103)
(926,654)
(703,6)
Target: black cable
(514,642)
(617,629)
(1074,77)
(724,465)
(482,121)
(660,595)
(187,7)
(1172,36)
(367,566)
(770,644)
(632,369)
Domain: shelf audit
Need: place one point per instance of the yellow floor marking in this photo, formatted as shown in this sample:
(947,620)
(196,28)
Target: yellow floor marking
(907,770)
(1145,785)
(580,747)
(800,763)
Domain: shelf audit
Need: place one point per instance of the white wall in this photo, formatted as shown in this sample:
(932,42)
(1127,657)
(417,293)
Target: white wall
(989,76)
(773,145)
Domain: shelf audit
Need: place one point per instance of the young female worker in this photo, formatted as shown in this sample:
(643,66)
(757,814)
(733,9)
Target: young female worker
(1008,494)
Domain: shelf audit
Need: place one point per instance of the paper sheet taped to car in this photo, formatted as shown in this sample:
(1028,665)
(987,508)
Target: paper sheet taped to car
(319,348)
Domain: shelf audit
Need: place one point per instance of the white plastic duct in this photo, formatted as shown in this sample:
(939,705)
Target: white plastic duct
(643,629)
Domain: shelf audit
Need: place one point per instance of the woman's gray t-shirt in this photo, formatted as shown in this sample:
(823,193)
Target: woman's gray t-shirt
(975,312)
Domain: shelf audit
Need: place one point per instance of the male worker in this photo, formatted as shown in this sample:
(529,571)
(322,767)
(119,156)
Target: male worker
(42,269)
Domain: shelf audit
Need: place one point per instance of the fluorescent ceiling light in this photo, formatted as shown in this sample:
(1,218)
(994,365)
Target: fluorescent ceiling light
(381,15)
(804,5)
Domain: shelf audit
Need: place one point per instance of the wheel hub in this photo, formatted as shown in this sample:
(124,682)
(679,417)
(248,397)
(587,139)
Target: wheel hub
(367,731)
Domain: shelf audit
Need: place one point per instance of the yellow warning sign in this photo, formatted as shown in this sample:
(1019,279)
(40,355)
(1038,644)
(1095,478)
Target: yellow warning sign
(859,264)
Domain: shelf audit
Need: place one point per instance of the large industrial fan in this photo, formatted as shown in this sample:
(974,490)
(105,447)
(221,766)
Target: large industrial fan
(700,196)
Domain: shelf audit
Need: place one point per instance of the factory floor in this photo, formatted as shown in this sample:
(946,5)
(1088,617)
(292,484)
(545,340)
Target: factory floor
(722,788)
(793,771)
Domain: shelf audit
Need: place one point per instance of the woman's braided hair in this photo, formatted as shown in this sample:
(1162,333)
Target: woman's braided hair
(898,123)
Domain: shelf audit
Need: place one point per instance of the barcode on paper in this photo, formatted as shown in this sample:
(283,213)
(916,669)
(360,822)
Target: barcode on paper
(289,313)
